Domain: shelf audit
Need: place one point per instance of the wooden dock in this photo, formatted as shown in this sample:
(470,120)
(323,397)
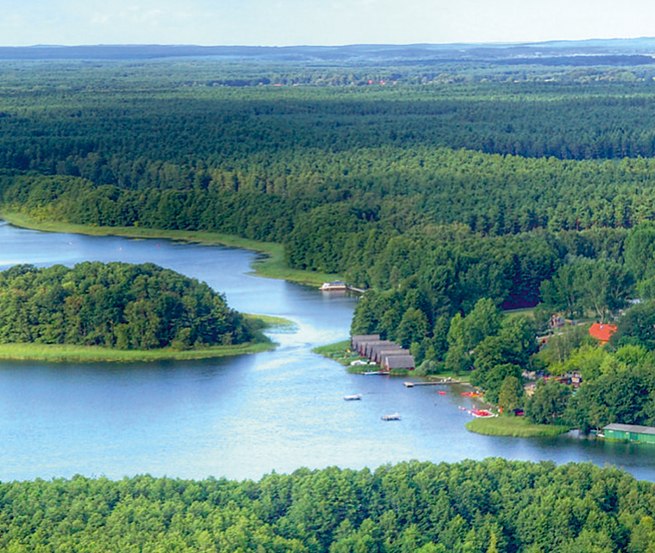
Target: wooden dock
(408,384)
(358,290)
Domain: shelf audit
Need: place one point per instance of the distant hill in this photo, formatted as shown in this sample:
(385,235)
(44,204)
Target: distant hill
(585,52)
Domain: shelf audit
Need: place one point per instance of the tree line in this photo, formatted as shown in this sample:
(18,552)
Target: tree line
(469,507)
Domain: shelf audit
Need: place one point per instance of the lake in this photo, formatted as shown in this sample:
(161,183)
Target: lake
(238,417)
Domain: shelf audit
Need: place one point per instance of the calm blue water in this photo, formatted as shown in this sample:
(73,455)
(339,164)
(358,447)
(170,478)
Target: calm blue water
(239,417)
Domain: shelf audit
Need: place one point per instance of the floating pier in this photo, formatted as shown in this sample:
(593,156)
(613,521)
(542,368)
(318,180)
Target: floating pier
(409,384)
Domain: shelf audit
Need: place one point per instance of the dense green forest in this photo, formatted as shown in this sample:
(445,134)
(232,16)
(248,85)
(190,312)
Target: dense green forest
(470,507)
(114,305)
(452,191)
(448,191)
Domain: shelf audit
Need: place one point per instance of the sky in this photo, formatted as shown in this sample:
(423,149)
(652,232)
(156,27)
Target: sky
(318,22)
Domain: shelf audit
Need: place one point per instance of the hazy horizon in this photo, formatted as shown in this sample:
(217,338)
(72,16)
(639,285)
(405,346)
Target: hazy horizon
(318,22)
(306,45)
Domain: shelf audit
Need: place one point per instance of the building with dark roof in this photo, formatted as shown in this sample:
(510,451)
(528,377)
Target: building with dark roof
(391,362)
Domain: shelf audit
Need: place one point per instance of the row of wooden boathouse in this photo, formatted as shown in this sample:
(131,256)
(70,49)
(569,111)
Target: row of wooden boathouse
(387,354)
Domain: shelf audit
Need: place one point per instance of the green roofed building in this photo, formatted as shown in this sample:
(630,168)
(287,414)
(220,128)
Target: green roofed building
(630,433)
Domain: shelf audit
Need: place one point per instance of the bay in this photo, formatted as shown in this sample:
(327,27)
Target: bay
(238,417)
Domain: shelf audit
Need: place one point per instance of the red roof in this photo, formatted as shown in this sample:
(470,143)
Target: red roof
(602,332)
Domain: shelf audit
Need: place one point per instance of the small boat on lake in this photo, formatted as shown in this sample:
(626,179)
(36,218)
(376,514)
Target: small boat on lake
(352,397)
(391,417)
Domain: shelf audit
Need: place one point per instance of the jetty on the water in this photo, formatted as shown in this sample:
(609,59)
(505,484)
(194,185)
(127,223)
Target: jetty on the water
(440,382)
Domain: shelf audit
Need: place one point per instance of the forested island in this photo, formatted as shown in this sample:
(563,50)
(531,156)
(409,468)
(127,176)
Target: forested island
(115,306)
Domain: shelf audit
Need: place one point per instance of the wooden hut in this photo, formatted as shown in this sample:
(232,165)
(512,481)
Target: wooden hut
(382,345)
(369,347)
(362,347)
(391,362)
(357,339)
(381,353)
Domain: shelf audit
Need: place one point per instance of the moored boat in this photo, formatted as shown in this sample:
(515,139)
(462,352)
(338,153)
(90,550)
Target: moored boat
(334,286)
(391,417)
(352,397)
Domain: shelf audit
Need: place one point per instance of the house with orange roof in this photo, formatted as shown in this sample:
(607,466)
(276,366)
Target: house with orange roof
(602,332)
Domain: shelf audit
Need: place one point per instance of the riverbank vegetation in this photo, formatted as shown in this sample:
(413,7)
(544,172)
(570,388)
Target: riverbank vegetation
(57,353)
(272,322)
(116,306)
(338,351)
(516,427)
(477,507)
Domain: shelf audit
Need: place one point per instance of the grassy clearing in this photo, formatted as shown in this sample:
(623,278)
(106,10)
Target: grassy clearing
(517,427)
(272,265)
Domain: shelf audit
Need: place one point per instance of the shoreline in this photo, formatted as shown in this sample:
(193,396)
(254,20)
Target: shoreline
(514,427)
(272,265)
(72,353)
(65,353)
(339,352)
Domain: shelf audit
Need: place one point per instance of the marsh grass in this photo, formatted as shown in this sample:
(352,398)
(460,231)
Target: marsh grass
(338,351)
(63,353)
(69,353)
(518,427)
